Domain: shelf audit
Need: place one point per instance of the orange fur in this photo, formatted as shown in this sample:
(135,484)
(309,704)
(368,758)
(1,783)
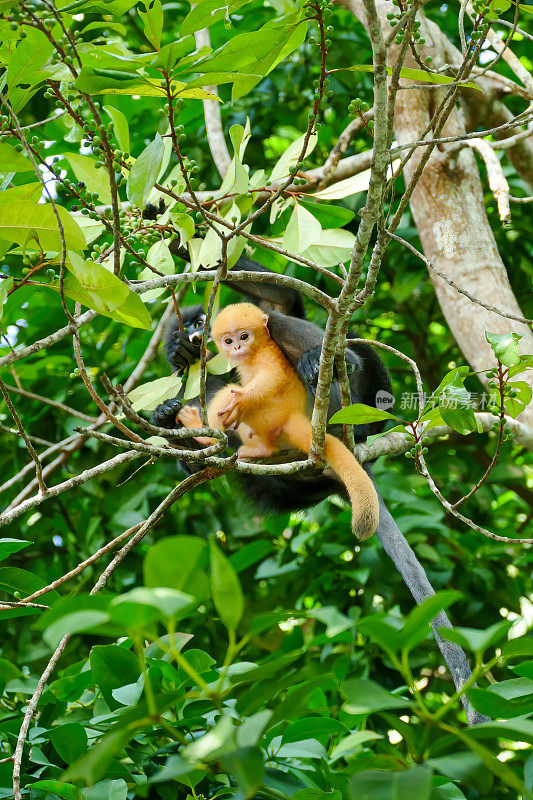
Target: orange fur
(271,401)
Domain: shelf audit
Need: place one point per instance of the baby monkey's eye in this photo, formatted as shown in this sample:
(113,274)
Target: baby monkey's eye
(244,337)
(228,341)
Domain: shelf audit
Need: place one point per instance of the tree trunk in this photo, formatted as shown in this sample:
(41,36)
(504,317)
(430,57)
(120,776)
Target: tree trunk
(449,212)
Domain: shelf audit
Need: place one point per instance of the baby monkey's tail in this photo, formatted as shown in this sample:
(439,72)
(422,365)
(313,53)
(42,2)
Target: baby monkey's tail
(361,491)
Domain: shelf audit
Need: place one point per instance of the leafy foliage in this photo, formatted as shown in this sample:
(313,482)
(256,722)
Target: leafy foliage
(230,654)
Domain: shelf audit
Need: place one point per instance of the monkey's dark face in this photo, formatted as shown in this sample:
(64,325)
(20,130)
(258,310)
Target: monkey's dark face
(237,345)
(195,328)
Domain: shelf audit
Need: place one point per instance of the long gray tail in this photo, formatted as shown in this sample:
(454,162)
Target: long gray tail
(413,573)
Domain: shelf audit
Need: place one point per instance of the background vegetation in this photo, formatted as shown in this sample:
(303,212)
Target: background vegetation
(231,654)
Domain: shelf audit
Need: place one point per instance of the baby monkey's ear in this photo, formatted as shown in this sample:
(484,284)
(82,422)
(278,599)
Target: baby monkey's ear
(265,322)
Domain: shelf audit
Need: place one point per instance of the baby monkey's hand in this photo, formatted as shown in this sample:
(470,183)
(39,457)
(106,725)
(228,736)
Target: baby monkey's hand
(232,414)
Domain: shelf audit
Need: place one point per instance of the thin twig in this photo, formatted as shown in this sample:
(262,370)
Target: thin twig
(25,437)
(53,403)
(9,515)
(454,285)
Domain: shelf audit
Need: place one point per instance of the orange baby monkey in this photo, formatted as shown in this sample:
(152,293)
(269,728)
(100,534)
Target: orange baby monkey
(268,409)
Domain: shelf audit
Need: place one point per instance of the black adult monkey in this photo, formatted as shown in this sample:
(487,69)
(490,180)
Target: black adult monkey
(301,341)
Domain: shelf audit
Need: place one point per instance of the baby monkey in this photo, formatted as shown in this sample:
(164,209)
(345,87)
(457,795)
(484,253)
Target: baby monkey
(268,409)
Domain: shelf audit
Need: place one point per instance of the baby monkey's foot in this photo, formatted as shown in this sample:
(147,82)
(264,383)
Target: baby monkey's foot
(190,418)
(258,449)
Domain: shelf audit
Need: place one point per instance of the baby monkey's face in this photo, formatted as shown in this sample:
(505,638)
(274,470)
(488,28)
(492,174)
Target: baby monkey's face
(237,345)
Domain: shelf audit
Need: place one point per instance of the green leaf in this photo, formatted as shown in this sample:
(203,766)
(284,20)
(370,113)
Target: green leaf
(94,286)
(13,161)
(226,588)
(307,748)
(376,784)
(335,621)
(144,172)
(179,562)
(316,794)
(218,365)
(113,666)
(165,647)
(22,221)
(185,225)
(352,185)
(160,258)
(455,404)
(359,413)
(107,790)
(477,640)
(199,661)
(66,791)
(14,579)
(217,740)
(416,625)
(246,765)
(175,768)
(329,216)
(505,347)
(497,767)
(303,230)
(365,697)
(8,671)
(69,741)
(385,632)
(414,75)
(29,192)
(291,155)
(497,8)
(460,419)
(517,729)
(147,396)
(515,405)
(313,728)
(352,744)
(518,648)
(75,622)
(96,180)
(6,284)
(142,605)
(335,244)
(133,312)
(208,12)
(120,126)
(170,53)
(508,699)
(465,767)
(254,54)
(152,20)
(91,228)
(94,764)
(10,546)
(24,70)
(236,180)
